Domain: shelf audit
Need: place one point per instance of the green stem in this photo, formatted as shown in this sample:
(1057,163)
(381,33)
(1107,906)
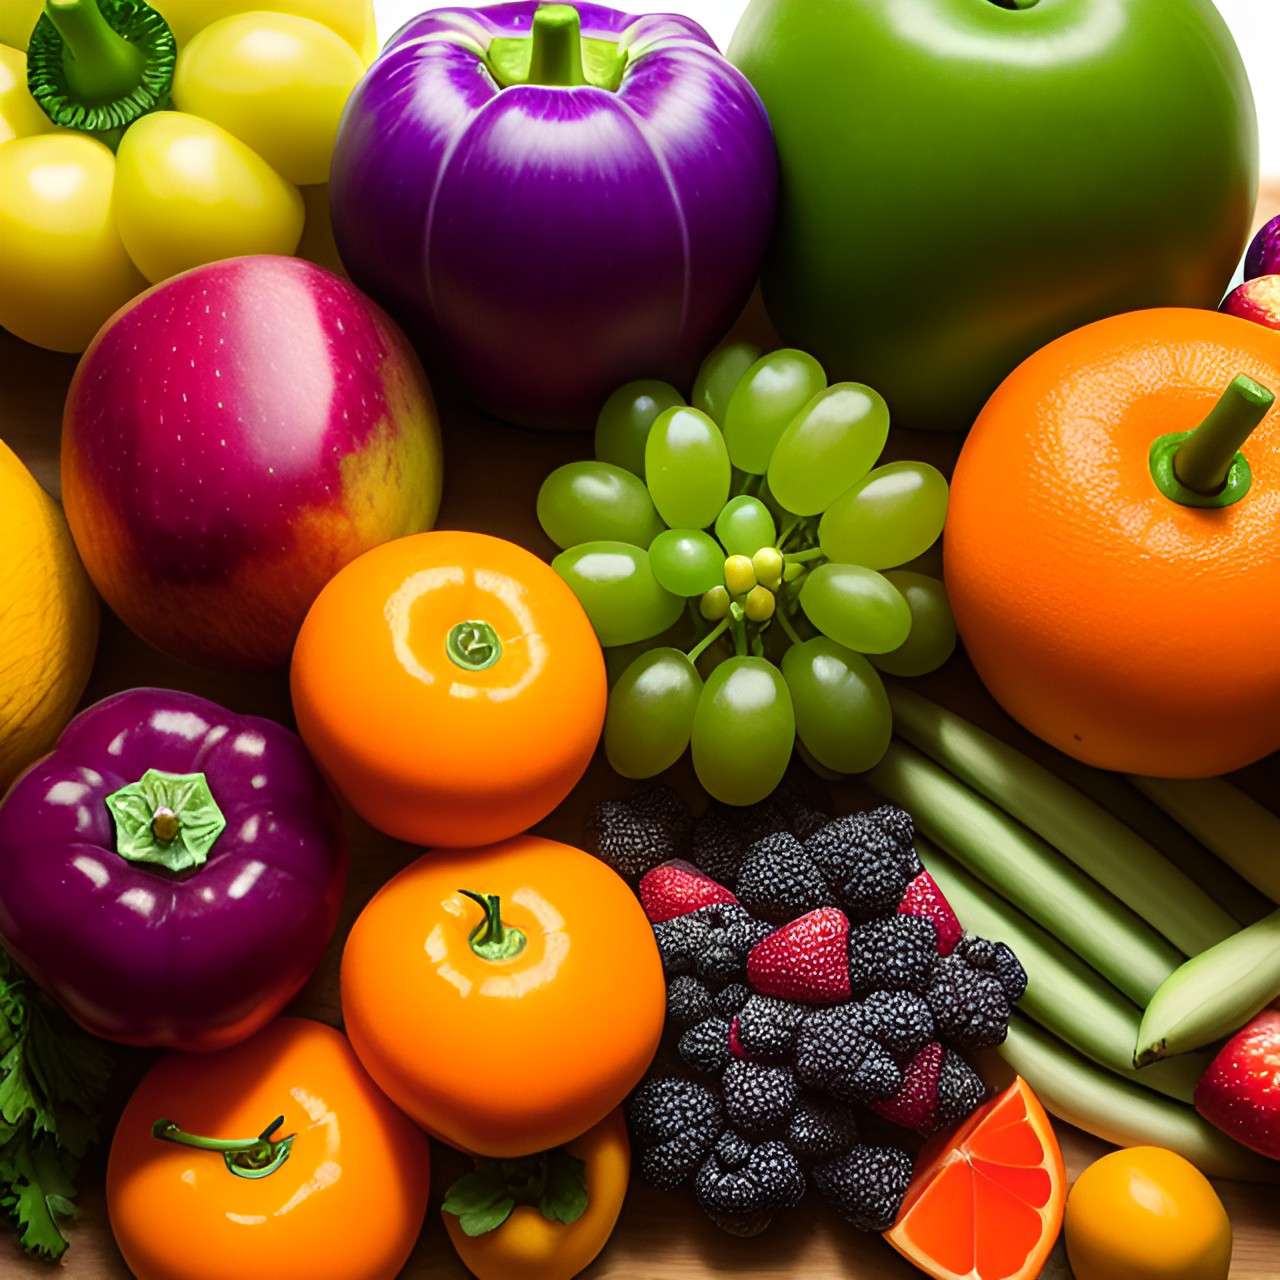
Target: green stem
(1204,467)
(491,939)
(100,64)
(802,557)
(170,820)
(473,645)
(708,640)
(787,532)
(738,625)
(245,1157)
(556,54)
(785,623)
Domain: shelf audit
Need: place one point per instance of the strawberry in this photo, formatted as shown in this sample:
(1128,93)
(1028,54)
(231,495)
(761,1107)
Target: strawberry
(922,897)
(806,960)
(677,887)
(1240,1090)
(915,1105)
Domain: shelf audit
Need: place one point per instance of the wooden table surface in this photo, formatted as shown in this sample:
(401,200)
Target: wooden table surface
(492,476)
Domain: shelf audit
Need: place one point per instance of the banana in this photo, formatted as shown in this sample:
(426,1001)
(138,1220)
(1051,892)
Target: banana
(1102,846)
(1223,818)
(1063,994)
(1028,872)
(1119,1111)
(1213,994)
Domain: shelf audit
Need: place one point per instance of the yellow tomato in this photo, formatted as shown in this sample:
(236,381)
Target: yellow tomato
(1144,1213)
(187,192)
(63,265)
(19,114)
(300,75)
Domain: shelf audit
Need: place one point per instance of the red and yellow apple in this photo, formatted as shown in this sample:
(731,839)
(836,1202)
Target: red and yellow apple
(234,436)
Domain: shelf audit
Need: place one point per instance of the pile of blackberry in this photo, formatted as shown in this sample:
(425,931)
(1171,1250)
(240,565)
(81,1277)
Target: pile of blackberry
(821,998)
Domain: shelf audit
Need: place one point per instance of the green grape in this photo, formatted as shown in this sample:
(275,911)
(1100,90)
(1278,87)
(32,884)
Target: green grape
(933,630)
(617,589)
(815,766)
(842,712)
(765,400)
(856,607)
(743,730)
(889,517)
(719,374)
(596,501)
(744,525)
(681,635)
(650,714)
(623,423)
(687,561)
(686,467)
(829,445)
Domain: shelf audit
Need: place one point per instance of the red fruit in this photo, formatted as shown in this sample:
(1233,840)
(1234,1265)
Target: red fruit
(915,1105)
(735,1045)
(922,897)
(1240,1090)
(677,887)
(806,960)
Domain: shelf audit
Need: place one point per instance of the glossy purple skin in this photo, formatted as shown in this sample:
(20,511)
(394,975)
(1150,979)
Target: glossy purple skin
(544,245)
(144,957)
(1262,258)
(231,439)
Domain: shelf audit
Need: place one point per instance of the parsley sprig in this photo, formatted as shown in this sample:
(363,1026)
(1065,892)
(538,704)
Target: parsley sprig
(53,1079)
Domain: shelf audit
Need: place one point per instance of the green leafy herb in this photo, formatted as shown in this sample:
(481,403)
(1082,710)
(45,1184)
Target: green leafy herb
(553,1181)
(53,1077)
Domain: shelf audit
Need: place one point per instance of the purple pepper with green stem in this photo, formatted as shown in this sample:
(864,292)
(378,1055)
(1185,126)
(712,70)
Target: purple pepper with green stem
(554,200)
(171,872)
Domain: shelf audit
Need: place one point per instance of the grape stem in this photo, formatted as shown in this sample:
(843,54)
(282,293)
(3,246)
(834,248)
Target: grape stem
(739,635)
(800,557)
(708,640)
(787,532)
(785,623)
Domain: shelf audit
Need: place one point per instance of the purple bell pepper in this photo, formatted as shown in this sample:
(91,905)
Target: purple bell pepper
(554,200)
(172,872)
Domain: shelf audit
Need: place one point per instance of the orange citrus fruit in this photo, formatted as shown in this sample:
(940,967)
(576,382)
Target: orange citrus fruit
(1144,1213)
(1101,603)
(450,687)
(986,1199)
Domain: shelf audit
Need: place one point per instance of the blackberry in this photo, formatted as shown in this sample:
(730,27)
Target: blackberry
(897,824)
(731,932)
(960,1089)
(898,1020)
(730,1000)
(674,1123)
(865,866)
(896,953)
(767,1026)
(969,1006)
(659,803)
(716,846)
(820,1130)
(629,842)
(866,1185)
(779,881)
(997,959)
(833,1055)
(679,941)
(688,1000)
(705,1045)
(741,1186)
(758,1097)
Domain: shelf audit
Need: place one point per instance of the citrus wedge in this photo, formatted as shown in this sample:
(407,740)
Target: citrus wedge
(986,1199)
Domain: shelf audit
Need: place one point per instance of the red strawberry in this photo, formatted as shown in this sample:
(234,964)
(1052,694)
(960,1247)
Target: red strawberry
(677,887)
(915,1105)
(735,1045)
(1240,1090)
(806,960)
(922,897)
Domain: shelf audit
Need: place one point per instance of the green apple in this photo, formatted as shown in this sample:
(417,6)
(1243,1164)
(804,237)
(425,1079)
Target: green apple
(961,181)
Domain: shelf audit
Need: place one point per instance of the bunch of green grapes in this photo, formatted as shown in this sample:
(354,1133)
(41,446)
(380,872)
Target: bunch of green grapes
(741,559)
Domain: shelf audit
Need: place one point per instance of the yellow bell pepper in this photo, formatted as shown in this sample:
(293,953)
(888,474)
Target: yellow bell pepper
(135,144)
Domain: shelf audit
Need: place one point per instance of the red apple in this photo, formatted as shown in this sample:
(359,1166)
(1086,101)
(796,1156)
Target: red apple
(232,438)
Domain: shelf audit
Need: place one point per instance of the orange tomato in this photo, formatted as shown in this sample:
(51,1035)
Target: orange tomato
(346,1203)
(450,686)
(528,1246)
(1145,1213)
(1123,626)
(504,1042)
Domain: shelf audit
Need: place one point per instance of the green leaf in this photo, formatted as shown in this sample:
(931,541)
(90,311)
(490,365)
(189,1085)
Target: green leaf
(565,1199)
(487,1219)
(474,1191)
(39,1178)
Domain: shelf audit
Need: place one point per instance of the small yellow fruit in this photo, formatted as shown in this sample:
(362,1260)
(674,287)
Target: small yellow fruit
(48,620)
(1145,1213)
(739,575)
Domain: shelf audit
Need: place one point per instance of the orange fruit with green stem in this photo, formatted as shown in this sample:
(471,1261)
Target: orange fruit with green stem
(1112,547)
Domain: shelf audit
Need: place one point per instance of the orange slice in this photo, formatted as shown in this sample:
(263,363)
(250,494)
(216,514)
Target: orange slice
(986,1199)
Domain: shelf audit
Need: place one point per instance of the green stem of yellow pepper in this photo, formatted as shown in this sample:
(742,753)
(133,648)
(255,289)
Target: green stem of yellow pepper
(99,63)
